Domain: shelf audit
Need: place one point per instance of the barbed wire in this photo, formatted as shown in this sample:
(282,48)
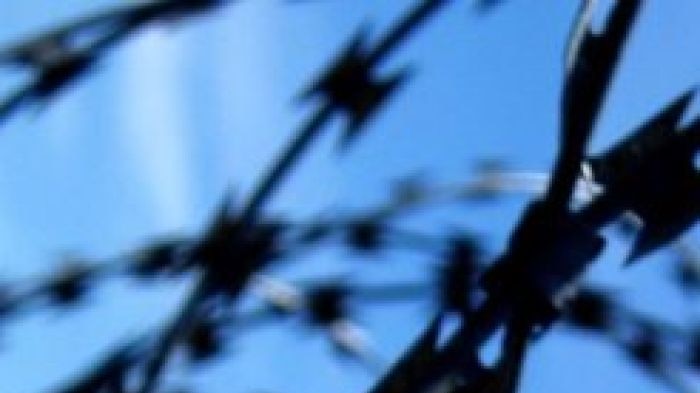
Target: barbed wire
(524,291)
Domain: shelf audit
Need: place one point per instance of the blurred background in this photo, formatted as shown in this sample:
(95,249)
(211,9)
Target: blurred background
(148,144)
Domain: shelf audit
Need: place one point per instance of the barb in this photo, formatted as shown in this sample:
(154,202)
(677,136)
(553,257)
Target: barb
(60,56)
(350,84)
(591,65)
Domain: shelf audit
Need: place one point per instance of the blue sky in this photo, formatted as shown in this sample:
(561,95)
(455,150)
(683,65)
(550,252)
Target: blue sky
(148,144)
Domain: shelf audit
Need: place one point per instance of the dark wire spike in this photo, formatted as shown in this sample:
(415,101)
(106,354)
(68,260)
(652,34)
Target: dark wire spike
(351,85)
(232,251)
(39,50)
(367,234)
(652,173)
(592,60)
(327,303)
(672,206)
(646,349)
(373,96)
(69,284)
(52,78)
(58,58)
(631,152)
(457,277)
(205,341)
(590,310)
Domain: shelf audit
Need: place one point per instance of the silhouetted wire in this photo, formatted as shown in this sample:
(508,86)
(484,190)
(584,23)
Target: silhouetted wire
(60,56)
(590,65)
